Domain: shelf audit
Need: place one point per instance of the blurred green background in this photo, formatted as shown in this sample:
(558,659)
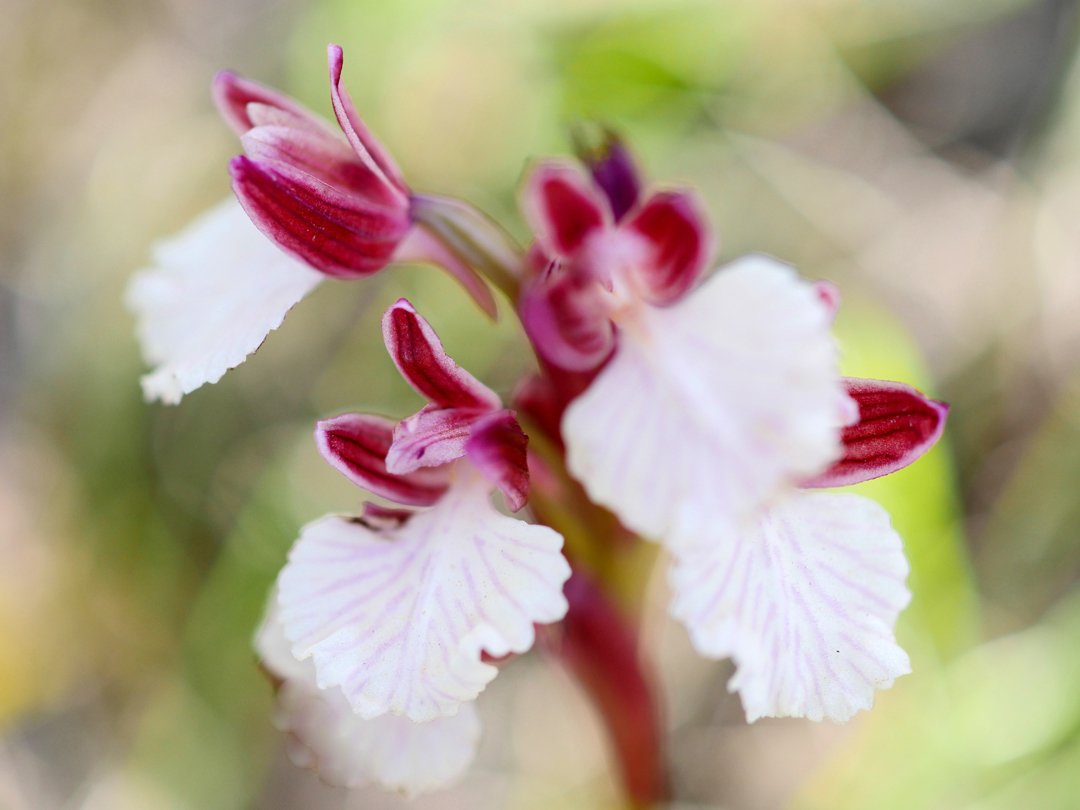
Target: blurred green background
(923,154)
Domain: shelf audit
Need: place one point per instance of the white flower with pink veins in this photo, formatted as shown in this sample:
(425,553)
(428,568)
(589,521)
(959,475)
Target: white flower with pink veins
(325,734)
(712,404)
(312,201)
(398,608)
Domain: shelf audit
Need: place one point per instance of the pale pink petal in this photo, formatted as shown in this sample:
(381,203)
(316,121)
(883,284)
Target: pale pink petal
(498,448)
(356,445)
(804,601)
(709,405)
(679,242)
(421,245)
(563,207)
(213,294)
(347,750)
(418,353)
(399,619)
(896,425)
(434,436)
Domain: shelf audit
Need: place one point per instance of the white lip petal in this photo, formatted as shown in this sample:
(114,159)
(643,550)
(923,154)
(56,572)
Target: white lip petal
(399,619)
(804,600)
(347,750)
(710,405)
(213,294)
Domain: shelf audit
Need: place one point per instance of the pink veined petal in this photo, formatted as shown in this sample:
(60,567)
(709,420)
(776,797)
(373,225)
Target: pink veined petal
(326,157)
(420,245)
(680,243)
(498,449)
(400,619)
(804,601)
(567,320)
(418,354)
(233,94)
(356,445)
(338,233)
(213,294)
(711,404)
(367,146)
(897,424)
(433,436)
(563,207)
(349,751)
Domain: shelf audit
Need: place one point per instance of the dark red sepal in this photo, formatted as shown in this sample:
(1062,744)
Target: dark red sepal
(356,445)
(897,424)
(418,353)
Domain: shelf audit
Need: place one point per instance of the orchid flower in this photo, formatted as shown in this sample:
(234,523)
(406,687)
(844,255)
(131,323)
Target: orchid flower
(327,735)
(314,201)
(710,404)
(710,396)
(805,596)
(398,609)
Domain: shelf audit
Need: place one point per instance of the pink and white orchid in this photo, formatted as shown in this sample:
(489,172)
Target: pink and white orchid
(398,609)
(711,404)
(320,201)
(710,396)
(325,734)
(805,595)
(702,412)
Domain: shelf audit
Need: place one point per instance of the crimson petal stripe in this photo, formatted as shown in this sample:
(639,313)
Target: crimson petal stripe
(897,424)
(418,353)
(676,228)
(356,445)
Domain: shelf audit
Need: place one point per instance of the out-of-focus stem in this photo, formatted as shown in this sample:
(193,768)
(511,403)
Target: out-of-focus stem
(599,645)
(475,238)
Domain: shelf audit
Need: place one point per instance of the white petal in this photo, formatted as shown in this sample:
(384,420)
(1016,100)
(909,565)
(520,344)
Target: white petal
(348,750)
(804,601)
(214,293)
(711,404)
(399,618)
